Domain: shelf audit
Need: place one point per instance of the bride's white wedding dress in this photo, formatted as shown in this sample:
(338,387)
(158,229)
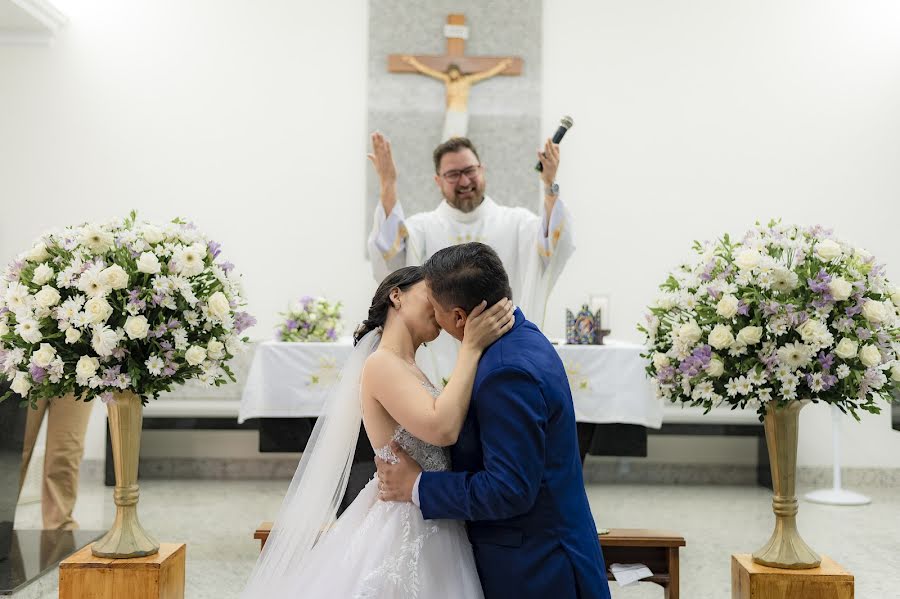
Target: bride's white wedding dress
(386,550)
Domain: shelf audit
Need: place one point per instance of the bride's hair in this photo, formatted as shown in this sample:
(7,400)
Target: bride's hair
(401,279)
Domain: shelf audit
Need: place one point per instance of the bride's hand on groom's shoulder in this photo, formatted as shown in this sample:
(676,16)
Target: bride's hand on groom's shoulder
(396,481)
(485,325)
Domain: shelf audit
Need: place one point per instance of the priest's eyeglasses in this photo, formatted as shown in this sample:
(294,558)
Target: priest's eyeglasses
(454,176)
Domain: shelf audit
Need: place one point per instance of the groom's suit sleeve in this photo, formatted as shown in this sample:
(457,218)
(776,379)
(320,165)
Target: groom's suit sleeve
(512,417)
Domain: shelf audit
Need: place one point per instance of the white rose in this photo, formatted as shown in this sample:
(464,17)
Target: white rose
(38,253)
(136,327)
(870,356)
(4,327)
(47,297)
(840,289)
(874,311)
(21,384)
(195,355)
(828,250)
(895,296)
(715,368)
(42,274)
(895,372)
(97,310)
(750,335)
(219,307)
(114,277)
(215,350)
(72,335)
(846,349)
(153,234)
(86,367)
(148,263)
(727,306)
(44,355)
(748,259)
(721,337)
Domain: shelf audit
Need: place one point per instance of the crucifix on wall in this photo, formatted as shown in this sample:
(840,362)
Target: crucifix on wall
(457,71)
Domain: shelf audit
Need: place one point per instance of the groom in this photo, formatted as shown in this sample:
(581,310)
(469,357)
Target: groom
(516,473)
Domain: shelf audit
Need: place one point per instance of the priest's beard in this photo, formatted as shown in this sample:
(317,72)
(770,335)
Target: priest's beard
(466,198)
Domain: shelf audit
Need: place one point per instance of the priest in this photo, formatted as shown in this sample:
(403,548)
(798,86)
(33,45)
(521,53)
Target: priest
(534,248)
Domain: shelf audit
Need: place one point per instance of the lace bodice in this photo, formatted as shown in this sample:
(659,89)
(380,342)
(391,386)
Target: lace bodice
(430,457)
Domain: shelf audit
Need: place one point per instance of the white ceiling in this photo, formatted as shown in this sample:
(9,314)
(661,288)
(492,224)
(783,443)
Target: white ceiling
(14,18)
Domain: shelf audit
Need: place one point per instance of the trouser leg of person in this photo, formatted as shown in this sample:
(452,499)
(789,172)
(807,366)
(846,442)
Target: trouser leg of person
(66,427)
(32,427)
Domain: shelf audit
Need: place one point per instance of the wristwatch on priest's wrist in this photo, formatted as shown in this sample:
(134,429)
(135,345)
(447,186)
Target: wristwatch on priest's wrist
(552,189)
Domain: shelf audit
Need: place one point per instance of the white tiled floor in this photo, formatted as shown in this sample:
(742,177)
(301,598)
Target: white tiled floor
(217,518)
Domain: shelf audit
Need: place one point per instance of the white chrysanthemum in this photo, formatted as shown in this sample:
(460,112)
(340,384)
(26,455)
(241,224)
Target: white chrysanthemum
(104,340)
(815,334)
(17,298)
(794,355)
(784,280)
(97,239)
(155,365)
(29,330)
(56,370)
(843,371)
(91,282)
(189,260)
(180,338)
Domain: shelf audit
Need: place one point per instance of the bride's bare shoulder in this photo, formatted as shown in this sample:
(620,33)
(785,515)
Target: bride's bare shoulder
(382,365)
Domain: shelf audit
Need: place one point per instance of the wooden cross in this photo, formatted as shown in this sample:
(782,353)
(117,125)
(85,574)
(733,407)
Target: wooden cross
(456,32)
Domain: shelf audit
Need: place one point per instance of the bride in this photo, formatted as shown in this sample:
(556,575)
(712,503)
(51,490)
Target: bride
(380,549)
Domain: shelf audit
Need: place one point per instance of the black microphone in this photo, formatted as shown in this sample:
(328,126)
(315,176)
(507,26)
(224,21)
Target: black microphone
(565,124)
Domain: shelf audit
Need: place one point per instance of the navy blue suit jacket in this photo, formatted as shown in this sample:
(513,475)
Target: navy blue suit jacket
(517,477)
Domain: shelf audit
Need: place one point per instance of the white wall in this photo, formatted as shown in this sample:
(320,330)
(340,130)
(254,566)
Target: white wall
(699,117)
(692,118)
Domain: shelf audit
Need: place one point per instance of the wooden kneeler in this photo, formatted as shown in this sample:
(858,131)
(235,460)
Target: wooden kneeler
(656,549)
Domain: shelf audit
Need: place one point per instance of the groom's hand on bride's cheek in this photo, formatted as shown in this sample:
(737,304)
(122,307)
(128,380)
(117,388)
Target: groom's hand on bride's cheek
(396,481)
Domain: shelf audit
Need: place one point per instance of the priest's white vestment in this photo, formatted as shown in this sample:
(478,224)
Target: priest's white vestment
(533,248)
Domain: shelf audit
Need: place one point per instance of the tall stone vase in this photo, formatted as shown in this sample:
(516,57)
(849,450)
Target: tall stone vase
(126,538)
(786,549)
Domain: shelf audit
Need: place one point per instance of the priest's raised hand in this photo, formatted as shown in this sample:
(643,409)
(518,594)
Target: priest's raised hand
(383,161)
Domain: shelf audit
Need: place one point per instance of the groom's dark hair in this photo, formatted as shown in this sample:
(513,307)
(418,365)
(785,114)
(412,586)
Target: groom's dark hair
(465,275)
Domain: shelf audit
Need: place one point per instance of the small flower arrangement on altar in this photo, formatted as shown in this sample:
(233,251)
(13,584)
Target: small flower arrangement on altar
(311,319)
(119,306)
(785,313)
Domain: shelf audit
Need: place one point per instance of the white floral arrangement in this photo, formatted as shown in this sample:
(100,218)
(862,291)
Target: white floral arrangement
(124,305)
(311,319)
(786,313)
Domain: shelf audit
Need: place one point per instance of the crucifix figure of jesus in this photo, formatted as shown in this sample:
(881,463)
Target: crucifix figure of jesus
(457,71)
